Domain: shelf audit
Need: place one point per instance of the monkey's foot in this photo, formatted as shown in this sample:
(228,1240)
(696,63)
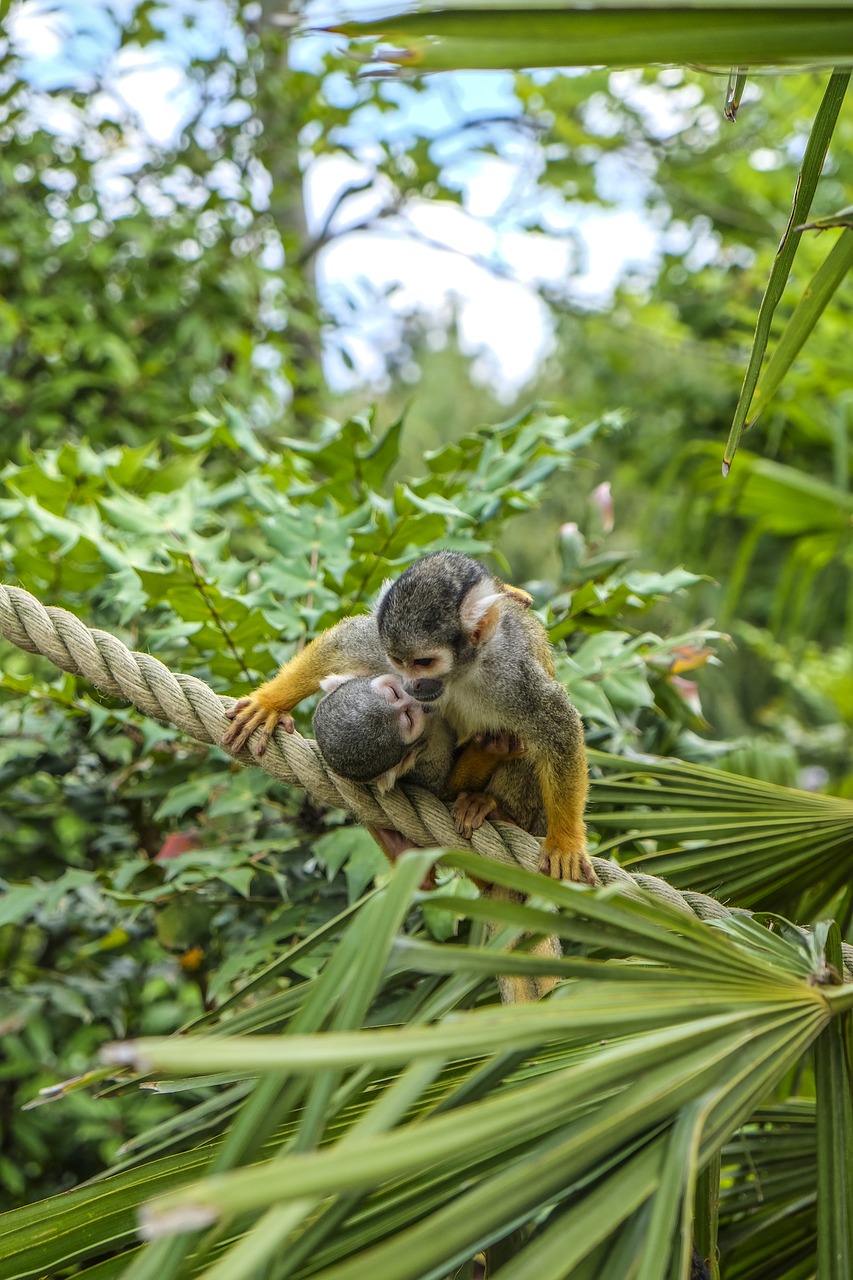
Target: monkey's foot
(564,864)
(250,714)
(393,844)
(502,743)
(470,810)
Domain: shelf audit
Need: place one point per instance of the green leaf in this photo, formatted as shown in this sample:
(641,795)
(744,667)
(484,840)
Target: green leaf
(808,311)
(809,175)
(611,34)
(753,842)
(193,794)
(18,902)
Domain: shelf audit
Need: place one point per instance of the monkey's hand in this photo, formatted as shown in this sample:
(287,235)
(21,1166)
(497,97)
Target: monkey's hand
(249,714)
(502,744)
(470,810)
(563,860)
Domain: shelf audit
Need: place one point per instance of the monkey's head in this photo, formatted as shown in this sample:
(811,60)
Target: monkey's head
(369,729)
(435,619)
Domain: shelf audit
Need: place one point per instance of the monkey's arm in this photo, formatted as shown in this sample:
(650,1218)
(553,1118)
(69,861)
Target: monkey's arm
(479,758)
(470,777)
(351,647)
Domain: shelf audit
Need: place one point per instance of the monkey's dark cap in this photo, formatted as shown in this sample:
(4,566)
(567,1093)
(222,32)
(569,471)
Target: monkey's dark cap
(357,732)
(422,607)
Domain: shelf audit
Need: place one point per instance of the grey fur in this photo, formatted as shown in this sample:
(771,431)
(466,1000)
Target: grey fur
(356,730)
(515,784)
(498,685)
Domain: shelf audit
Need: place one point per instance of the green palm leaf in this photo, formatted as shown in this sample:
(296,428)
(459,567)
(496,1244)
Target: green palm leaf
(508,1127)
(613,33)
(742,840)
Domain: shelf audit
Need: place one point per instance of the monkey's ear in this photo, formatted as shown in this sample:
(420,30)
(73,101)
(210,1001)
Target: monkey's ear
(519,594)
(391,777)
(329,683)
(480,613)
(383,591)
(386,780)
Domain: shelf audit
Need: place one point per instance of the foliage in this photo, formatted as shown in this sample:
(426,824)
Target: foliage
(175,852)
(623,35)
(159,547)
(710,831)
(141,277)
(774,539)
(134,285)
(150,885)
(544,1145)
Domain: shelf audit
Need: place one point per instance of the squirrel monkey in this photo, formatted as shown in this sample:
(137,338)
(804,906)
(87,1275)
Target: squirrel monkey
(371,730)
(460,640)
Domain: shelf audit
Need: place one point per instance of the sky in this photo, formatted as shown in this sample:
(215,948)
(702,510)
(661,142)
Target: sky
(444,269)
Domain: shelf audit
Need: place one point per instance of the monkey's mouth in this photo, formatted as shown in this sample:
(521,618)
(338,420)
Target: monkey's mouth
(425,690)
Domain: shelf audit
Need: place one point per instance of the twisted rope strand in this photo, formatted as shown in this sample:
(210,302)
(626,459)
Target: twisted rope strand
(197,711)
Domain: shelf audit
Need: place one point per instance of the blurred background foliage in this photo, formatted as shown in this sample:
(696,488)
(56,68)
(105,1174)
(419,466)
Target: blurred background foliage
(187,461)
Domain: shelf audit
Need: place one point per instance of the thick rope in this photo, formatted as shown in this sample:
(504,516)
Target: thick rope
(194,708)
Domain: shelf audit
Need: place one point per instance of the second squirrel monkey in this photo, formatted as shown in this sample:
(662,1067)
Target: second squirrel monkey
(371,730)
(459,641)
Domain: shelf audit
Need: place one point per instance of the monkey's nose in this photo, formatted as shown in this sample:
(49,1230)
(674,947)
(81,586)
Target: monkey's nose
(424,690)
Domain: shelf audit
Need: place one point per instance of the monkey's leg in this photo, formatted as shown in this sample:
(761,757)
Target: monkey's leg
(392,843)
(564,787)
(472,769)
(272,703)
(550,948)
(517,988)
(478,759)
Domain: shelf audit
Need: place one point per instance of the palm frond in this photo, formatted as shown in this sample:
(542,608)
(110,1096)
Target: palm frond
(612,33)
(507,1128)
(754,843)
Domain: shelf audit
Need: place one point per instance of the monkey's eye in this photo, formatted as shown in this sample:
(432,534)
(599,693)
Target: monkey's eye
(395,662)
(422,662)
